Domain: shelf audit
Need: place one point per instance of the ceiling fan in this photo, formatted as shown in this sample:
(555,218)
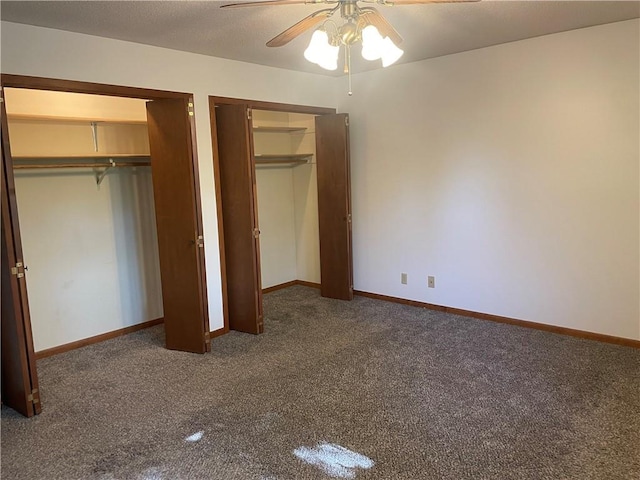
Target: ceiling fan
(361,23)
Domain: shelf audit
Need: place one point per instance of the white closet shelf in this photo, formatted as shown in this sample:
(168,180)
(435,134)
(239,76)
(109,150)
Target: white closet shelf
(279,129)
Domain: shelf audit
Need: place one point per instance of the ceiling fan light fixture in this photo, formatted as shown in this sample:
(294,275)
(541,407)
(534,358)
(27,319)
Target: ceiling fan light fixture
(371,43)
(319,40)
(360,24)
(390,52)
(330,60)
(321,52)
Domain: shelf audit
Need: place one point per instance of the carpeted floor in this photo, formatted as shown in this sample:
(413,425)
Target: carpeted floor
(409,393)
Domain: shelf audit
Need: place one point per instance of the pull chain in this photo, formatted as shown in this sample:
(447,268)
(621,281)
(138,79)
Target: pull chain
(349,68)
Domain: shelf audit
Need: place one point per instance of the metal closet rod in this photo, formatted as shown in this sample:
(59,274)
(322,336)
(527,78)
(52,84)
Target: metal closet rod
(89,162)
(83,165)
(100,174)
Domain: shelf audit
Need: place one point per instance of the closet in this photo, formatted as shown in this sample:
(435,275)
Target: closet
(103,181)
(287,197)
(85,200)
(282,173)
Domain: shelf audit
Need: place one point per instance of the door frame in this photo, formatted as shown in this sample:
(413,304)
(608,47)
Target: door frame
(255,105)
(73,86)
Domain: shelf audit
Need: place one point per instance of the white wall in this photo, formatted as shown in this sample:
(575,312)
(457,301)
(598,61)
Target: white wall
(92,252)
(277,226)
(305,199)
(510,173)
(36,51)
(288,218)
(274,186)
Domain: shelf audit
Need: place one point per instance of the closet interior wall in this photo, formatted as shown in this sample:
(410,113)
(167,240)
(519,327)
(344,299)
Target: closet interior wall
(91,247)
(287,193)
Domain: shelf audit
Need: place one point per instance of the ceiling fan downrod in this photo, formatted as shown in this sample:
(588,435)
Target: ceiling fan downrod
(349,9)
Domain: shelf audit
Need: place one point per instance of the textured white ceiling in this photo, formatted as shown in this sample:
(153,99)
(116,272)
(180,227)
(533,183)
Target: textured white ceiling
(240,34)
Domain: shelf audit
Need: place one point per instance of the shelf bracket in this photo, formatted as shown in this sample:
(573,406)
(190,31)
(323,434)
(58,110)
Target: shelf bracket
(100,175)
(94,133)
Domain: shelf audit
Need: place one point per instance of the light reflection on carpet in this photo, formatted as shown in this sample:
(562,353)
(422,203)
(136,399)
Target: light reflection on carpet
(334,460)
(195,437)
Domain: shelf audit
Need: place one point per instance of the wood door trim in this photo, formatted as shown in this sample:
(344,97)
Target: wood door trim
(627,342)
(74,86)
(272,106)
(67,347)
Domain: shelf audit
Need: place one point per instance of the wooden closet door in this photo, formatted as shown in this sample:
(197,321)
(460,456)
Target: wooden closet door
(240,217)
(179,225)
(334,205)
(19,374)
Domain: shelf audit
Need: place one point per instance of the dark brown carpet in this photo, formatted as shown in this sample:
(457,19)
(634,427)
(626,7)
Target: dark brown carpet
(416,394)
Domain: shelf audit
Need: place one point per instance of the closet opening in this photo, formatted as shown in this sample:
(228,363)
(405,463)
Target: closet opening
(287,198)
(284,209)
(82,173)
(101,223)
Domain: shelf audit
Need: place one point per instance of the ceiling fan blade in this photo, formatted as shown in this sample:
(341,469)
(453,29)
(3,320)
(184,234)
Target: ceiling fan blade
(270,2)
(418,2)
(300,27)
(373,17)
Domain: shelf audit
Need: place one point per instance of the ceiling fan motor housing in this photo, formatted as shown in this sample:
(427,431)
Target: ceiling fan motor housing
(349,33)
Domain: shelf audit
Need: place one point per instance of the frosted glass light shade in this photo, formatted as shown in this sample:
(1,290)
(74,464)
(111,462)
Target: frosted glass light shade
(329,59)
(321,52)
(319,39)
(389,52)
(372,43)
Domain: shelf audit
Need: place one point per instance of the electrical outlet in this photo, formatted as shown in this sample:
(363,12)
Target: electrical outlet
(431,282)
(403,278)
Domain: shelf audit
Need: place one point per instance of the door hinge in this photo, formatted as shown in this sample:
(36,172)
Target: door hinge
(346,121)
(200,241)
(33,396)
(256,233)
(207,337)
(248,114)
(190,108)
(18,270)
